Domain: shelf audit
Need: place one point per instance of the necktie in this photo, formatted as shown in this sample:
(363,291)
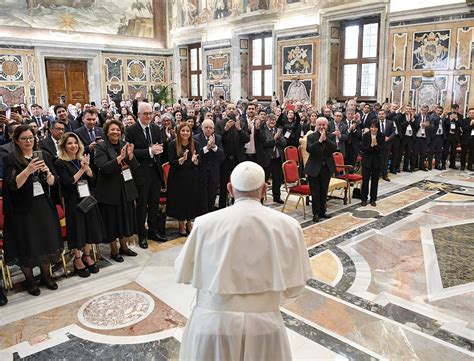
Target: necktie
(38,121)
(148,135)
(382,126)
(92,134)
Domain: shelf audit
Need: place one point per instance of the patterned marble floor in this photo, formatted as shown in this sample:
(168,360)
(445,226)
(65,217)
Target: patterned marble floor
(392,282)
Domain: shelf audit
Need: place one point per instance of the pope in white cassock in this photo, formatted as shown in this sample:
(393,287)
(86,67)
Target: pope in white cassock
(241,260)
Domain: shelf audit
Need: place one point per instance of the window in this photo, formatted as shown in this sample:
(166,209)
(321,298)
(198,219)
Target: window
(261,60)
(195,70)
(359,59)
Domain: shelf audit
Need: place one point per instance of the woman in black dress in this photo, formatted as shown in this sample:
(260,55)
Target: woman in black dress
(82,229)
(372,146)
(183,180)
(115,190)
(32,233)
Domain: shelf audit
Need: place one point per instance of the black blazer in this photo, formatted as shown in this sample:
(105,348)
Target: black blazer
(264,138)
(66,171)
(211,161)
(134,134)
(371,116)
(344,134)
(466,129)
(415,126)
(18,201)
(83,134)
(319,152)
(48,146)
(389,129)
(435,120)
(110,182)
(372,156)
(234,140)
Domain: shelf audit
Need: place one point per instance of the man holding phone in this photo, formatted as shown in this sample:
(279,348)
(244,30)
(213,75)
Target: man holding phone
(146,137)
(89,133)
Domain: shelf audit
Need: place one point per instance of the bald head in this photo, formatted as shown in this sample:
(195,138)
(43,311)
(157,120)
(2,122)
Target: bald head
(145,113)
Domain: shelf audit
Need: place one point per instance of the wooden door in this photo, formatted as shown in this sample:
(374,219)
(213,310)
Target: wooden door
(69,78)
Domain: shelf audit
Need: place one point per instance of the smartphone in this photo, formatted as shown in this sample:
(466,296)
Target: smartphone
(3,112)
(38,154)
(231,117)
(98,138)
(93,104)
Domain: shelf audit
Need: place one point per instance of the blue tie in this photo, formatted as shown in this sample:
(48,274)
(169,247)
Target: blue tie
(148,135)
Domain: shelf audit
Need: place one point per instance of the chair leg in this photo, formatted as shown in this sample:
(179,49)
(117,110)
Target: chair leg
(304,208)
(4,275)
(64,262)
(298,203)
(286,200)
(349,190)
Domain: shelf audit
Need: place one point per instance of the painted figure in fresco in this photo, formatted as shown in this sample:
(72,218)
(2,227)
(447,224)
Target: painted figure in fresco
(221,9)
(297,90)
(297,61)
(189,13)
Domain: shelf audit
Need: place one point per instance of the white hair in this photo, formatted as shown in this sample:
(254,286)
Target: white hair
(142,106)
(206,121)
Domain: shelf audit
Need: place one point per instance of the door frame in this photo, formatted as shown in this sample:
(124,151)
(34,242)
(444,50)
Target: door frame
(94,73)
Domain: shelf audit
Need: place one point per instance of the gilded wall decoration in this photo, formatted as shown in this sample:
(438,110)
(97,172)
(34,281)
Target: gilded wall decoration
(189,12)
(428,91)
(219,91)
(113,69)
(136,70)
(218,66)
(464,44)
(116,92)
(133,89)
(125,17)
(11,68)
(399,51)
(221,8)
(461,91)
(299,90)
(244,74)
(157,70)
(183,70)
(297,59)
(397,90)
(13,94)
(431,49)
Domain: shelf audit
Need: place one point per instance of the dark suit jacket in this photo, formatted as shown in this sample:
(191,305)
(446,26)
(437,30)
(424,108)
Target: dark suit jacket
(6,149)
(83,134)
(47,145)
(234,140)
(466,128)
(319,152)
(134,134)
(398,119)
(389,130)
(110,182)
(415,126)
(371,116)
(435,120)
(344,134)
(372,156)
(266,143)
(210,162)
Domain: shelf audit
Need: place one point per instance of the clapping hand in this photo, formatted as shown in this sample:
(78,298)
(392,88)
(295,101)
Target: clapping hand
(157,149)
(122,154)
(277,134)
(184,157)
(130,149)
(322,137)
(85,161)
(211,142)
(237,124)
(194,158)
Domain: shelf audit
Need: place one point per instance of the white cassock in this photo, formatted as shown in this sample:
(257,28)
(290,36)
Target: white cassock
(241,259)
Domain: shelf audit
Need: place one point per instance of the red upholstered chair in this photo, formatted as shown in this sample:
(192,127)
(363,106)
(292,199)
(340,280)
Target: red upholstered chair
(166,172)
(342,172)
(291,153)
(7,280)
(293,184)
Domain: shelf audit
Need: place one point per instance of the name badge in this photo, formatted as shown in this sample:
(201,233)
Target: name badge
(127,175)
(287,134)
(302,134)
(396,130)
(37,189)
(83,189)
(472,132)
(409,131)
(423,132)
(453,126)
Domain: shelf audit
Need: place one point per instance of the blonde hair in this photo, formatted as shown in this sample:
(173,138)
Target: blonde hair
(62,154)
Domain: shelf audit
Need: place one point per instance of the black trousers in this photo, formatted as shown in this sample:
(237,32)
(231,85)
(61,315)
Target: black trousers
(449,150)
(372,174)
(419,153)
(385,156)
(352,151)
(208,190)
(396,155)
(467,153)
(148,204)
(436,149)
(319,186)
(226,169)
(274,170)
(406,149)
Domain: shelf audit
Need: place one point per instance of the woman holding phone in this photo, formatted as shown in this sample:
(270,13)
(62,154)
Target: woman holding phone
(32,232)
(115,190)
(76,177)
(183,179)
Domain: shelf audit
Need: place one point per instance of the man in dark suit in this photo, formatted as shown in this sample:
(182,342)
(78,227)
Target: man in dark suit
(438,138)
(355,136)
(9,147)
(89,133)
(38,118)
(338,128)
(467,140)
(408,135)
(452,128)
(62,116)
(271,144)
(398,121)
(388,130)
(319,167)
(235,134)
(50,144)
(367,116)
(211,155)
(146,137)
(422,138)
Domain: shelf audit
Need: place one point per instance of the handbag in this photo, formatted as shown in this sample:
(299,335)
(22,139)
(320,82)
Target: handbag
(87,204)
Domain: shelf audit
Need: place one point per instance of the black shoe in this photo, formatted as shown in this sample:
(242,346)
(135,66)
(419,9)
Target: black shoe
(156,237)
(3,298)
(315,219)
(117,257)
(324,215)
(127,252)
(93,268)
(49,283)
(453,167)
(393,171)
(363,203)
(386,178)
(463,168)
(142,243)
(278,200)
(373,204)
(33,288)
(424,169)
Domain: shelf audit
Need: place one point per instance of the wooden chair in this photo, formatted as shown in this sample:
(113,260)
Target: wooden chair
(293,184)
(342,172)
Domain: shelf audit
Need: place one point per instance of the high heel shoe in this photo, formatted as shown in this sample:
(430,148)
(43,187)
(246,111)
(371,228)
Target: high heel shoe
(189,227)
(93,268)
(33,288)
(49,283)
(81,272)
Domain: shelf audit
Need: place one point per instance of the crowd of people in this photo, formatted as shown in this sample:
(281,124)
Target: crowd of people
(104,165)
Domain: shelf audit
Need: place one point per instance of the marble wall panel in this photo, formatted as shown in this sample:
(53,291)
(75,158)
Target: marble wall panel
(463,47)
(244,74)
(399,46)
(113,69)
(428,91)
(397,90)
(461,90)
(13,94)
(183,70)
(218,66)
(431,49)
(217,76)
(297,59)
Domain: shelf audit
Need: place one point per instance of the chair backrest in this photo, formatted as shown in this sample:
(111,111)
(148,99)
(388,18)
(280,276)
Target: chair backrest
(166,171)
(1,214)
(339,160)
(290,173)
(291,153)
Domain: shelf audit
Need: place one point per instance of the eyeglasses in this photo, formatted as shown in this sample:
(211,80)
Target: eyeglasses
(58,129)
(27,139)
(148,114)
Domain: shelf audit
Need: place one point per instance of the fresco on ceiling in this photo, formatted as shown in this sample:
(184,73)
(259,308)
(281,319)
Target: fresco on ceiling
(125,17)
